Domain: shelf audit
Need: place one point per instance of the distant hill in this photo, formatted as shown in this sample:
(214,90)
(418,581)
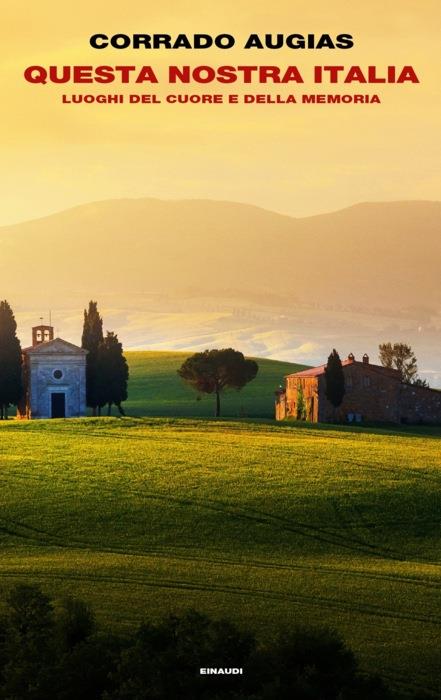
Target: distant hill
(187,275)
(155,389)
(385,255)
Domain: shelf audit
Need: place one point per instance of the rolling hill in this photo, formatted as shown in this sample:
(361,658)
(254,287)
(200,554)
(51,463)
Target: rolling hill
(266,524)
(155,389)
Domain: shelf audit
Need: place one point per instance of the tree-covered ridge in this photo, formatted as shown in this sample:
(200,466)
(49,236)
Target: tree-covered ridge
(54,649)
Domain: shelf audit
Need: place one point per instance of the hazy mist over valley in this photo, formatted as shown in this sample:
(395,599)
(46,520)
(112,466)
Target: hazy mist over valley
(194,274)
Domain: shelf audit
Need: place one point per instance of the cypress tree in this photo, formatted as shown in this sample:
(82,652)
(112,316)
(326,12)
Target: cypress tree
(112,374)
(10,361)
(91,339)
(301,404)
(335,379)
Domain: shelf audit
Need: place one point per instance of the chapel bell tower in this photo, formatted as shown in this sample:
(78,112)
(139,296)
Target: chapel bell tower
(42,334)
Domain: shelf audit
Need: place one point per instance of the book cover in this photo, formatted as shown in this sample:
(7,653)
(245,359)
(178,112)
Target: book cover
(220,368)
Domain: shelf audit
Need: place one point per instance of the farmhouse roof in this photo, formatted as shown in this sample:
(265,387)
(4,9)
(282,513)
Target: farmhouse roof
(317,371)
(57,345)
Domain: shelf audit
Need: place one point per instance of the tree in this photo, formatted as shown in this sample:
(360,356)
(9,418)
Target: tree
(301,404)
(335,379)
(10,361)
(212,371)
(112,374)
(91,339)
(307,663)
(421,382)
(75,623)
(31,616)
(50,649)
(401,357)
(29,644)
(160,662)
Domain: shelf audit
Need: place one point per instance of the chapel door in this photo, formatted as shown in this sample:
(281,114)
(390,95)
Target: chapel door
(58,405)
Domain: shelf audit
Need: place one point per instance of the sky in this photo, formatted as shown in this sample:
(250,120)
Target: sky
(295,159)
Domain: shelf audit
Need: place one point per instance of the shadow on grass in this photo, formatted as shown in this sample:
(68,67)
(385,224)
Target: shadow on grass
(233,422)
(371,428)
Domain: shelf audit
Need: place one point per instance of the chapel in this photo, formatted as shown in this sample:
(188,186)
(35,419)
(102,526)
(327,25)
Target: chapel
(54,377)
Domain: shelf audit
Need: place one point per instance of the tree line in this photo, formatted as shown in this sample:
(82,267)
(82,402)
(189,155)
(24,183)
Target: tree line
(54,650)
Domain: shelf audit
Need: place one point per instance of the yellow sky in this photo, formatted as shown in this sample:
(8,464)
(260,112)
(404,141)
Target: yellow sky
(298,159)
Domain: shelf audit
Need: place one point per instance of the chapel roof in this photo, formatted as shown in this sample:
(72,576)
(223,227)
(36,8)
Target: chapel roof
(55,346)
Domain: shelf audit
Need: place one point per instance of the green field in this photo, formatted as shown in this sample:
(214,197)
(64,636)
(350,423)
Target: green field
(264,523)
(155,389)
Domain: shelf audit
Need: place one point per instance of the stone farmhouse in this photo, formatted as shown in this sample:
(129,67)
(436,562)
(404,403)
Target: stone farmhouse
(54,373)
(372,393)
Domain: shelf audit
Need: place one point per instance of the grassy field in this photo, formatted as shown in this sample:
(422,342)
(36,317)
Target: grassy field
(264,523)
(155,389)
